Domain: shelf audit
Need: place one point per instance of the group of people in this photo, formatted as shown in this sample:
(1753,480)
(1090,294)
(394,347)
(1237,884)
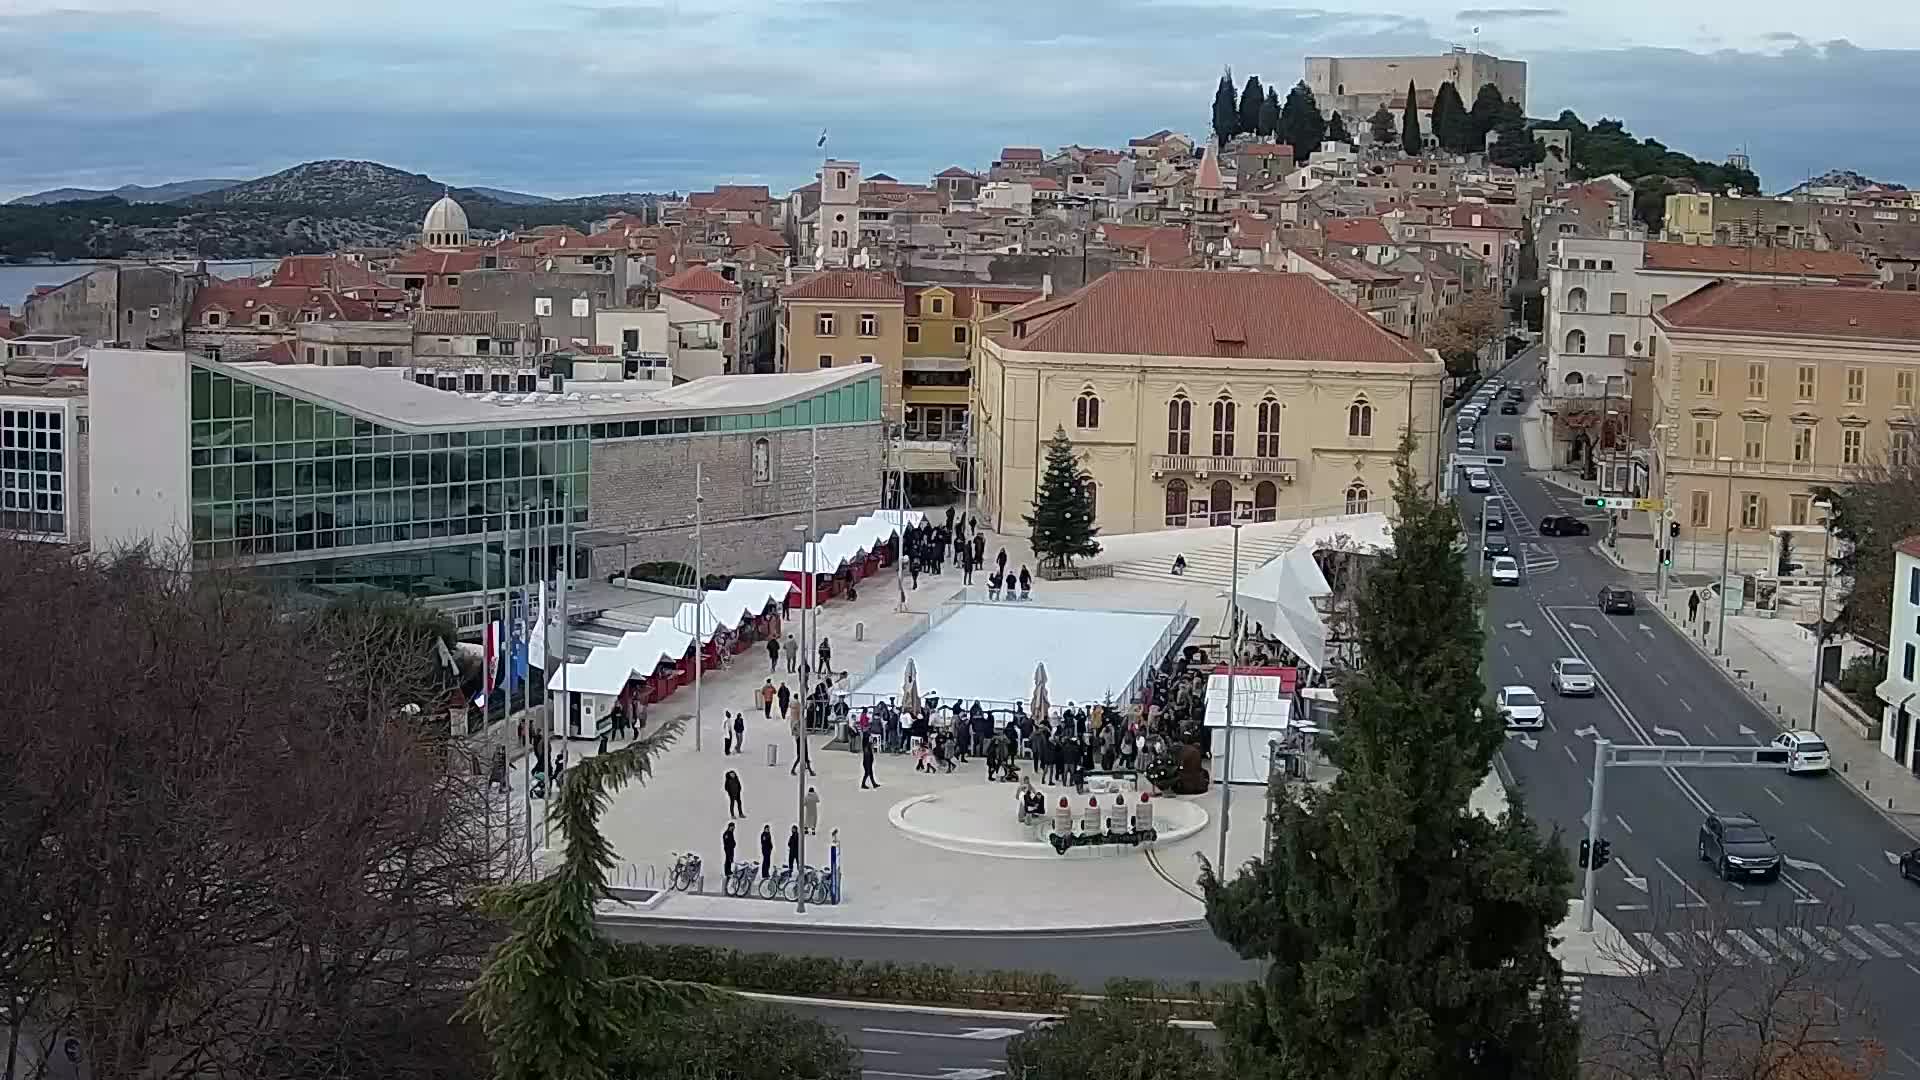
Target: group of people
(791,648)
(1061,750)
(927,547)
(729,843)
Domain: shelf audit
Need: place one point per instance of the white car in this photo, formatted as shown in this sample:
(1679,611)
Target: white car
(1478,480)
(1467,442)
(1505,571)
(1806,752)
(1522,708)
(1572,676)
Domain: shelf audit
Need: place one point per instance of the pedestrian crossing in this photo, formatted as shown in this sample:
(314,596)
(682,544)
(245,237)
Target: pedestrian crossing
(1535,556)
(1740,946)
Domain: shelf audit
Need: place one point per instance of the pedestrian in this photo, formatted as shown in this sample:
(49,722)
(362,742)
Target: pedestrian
(810,812)
(993,585)
(913,570)
(792,649)
(786,699)
(766,852)
(497,772)
(979,547)
(866,763)
(766,699)
(773,654)
(734,809)
(1026,584)
(793,848)
(1000,562)
(826,657)
(966,567)
(726,734)
(799,729)
(740,733)
(1693,605)
(962,737)
(727,847)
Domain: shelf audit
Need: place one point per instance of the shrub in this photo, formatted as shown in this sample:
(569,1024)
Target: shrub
(740,1041)
(1858,679)
(677,574)
(1116,1037)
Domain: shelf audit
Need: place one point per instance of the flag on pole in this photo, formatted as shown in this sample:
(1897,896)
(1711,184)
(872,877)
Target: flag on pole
(489,661)
(517,649)
(821,144)
(537,640)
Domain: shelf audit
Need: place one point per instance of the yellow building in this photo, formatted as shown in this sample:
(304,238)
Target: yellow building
(1741,221)
(1767,390)
(1197,396)
(944,327)
(835,318)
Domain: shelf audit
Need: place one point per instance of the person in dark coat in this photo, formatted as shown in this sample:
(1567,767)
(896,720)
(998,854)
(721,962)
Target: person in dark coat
(793,848)
(979,549)
(732,785)
(826,657)
(866,762)
(766,851)
(773,654)
(497,772)
(727,846)
(740,733)
(1000,562)
(1026,583)
(785,697)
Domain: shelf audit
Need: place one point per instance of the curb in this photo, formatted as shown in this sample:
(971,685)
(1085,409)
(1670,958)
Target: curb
(1135,929)
(1031,850)
(935,1010)
(1771,710)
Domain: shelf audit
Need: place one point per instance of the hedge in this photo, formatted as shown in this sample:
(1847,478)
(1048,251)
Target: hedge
(909,984)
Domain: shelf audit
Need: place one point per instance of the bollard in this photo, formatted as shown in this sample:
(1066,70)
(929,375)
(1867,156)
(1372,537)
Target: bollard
(773,754)
(1063,819)
(860,631)
(1143,817)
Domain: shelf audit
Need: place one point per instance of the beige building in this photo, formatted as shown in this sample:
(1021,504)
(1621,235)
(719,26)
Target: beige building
(1354,86)
(1767,390)
(837,318)
(1742,221)
(1196,397)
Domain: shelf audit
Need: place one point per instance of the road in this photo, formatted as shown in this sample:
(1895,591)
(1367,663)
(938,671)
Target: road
(1839,897)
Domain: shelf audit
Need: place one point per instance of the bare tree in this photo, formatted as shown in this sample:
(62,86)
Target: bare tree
(1729,998)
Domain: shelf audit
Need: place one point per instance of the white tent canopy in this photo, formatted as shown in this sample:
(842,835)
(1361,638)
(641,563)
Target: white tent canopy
(1260,716)
(1280,595)
(851,541)
(607,668)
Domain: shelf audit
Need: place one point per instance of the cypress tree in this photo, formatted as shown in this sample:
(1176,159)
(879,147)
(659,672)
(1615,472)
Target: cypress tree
(1337,130)
(1226,113)
(1451,125)
(1515,147)
(1410,140)
(1301,124)
(1405,935)
(1381,122)
(1270,113)
(1062,519)
(1251,99)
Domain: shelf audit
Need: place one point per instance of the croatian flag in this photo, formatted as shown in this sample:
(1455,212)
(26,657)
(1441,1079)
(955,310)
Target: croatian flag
(822,141)
(489,661)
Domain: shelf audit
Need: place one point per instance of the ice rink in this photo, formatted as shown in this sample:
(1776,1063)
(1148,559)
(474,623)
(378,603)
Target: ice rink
(988,652)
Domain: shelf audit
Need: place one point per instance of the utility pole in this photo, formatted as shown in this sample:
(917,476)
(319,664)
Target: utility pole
(809,620)
(536,624)
(1593,831)
(699,605)
(1820,625)
(1233,665)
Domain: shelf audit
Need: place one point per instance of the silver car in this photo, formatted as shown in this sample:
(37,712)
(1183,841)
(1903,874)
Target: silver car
(1573,677)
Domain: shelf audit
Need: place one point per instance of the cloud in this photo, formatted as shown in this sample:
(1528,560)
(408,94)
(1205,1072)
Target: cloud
(1483,15)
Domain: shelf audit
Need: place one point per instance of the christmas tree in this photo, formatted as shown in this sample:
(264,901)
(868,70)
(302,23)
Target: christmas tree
(1062,518)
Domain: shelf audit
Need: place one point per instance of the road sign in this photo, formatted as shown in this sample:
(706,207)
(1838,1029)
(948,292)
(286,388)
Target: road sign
(1621,502)
(1652,506)
(1490,460)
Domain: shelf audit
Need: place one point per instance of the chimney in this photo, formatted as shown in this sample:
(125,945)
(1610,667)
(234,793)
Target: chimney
(1046,286)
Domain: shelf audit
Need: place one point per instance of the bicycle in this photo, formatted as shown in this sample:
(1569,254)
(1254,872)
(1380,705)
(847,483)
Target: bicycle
(686,872)
(740,882)
(774,886)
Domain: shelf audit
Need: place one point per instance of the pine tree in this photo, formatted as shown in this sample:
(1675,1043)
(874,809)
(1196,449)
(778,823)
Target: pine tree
(1337,130)
(1451,125)
(1301,125)
(1381,122)
(1486,110)
(1270,113)
(1405,935)
(1410,140)
(1515,147)
(1062,519)
(1251,99)
(1226,113)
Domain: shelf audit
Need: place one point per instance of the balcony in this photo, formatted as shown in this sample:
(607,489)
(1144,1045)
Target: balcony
(1776,470)
(1286,469)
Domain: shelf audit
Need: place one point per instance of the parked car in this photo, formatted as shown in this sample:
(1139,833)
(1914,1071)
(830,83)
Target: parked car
(1561,525)
(1496,519)
(1505,571)
(1910,865)
(1509,408)
(1503,441)
(1738,847)
(1806,752)
(1522,708)
(1572,677)
(1616,600)
(1496,546)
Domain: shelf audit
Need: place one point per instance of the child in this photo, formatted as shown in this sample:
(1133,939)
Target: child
(920,756)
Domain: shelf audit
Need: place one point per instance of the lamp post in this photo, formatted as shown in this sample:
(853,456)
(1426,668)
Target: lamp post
(1726,552)
(809,620)
(1233,663)
(1820,619)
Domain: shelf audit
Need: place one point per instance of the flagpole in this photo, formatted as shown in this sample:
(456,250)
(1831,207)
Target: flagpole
(535,625)
(546,714)
(699,606)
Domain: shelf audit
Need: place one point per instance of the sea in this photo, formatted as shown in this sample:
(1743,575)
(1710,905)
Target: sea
(17,282)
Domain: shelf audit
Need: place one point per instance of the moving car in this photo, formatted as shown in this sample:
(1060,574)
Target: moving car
(1496,546)
(1466,442)
(1496,518)
(1738,847)
(1910,865)
(1505,571)
(1572,678)
(1515,393)
(1522,708)
(1561,525)
(1478,480)
(1616,600)
(1806,752)
(1503,441)
(1509,408)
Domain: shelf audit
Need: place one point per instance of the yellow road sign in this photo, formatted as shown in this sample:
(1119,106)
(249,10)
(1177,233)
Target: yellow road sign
(1649,504)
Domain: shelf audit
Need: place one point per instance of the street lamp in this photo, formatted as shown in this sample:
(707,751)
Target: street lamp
(1606,476)
(1233,665)
(1726,551)
(1820,619)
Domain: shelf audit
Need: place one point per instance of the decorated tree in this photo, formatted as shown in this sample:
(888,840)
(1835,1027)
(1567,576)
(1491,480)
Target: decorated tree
(1062,519)
(1404,935)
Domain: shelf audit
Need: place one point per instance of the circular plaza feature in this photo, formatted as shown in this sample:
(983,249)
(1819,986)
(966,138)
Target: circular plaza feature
(984,819)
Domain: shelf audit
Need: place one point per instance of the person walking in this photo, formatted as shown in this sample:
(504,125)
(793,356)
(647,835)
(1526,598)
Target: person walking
(913,570)
(785,697)
(726,733)
(799,728)
(979,547)
(793,848)
(1026,584)
(792,649)
(773,654)
(739,733)
(866,763)
(966,566)
(1693,605)
(727,848)
(826,657)
(1000,562)
(732,785)
(766,852)
(810,812)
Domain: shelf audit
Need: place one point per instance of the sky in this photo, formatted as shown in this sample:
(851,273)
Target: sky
(574,97)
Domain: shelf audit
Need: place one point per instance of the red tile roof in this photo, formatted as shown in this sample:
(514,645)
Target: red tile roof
(441,296)
(878,285)
(1103,157)
(1042,183)
(321,272)
(1347,269)
(747,233)
(1748,260)
(1357,231)
(1208,178)
(1163,244)
(1799,311)
(1210,313)
(423,261)
(1491,216)
(954,172)
(748,198)
(243,301)
(1910,546)
(1266,150)
(699,279)
(1022,153)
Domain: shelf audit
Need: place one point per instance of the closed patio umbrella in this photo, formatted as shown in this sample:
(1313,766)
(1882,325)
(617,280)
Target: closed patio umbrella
(1037,707)
(910,689)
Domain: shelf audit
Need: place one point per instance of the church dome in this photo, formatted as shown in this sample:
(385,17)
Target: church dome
(445,224)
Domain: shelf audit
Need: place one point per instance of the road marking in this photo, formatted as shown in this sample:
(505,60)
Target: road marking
(1582,626)
(1774,797)
(1869,873)
(1746,731)
(1874,943)
(1780,945)
(946,1073)
(1894,934)
(1517,673)
(1683,704)
(1662,678)
(1506,652)
(1522,627)
(1526,740)
(1813,944)
(1652,946)
(1699,901)
(1751,946)
(1590,731)
(1615,627)
(1708,732)
(1834,935)
(1573,759)
(888,1053)
(1622,822)
(1647,630)
(1631,907)
(1725,950)
(986,1034)
(1641,655)
(1914,1060)
(1637,882)
(1668,733)
(1818,833)
(1803,864)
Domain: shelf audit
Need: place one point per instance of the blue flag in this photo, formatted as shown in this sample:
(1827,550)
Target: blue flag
(517,650)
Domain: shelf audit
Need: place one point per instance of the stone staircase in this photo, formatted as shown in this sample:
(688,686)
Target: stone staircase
(1210,561)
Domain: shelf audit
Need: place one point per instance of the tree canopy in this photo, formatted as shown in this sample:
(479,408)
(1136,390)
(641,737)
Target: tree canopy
(1410,140)
(1452,127)
(1337,130)
(1487,105)
(1381,123)
(1251,99)
(1872,514)
(1270,113)
(1651,166)
(1226,110)
(1301,125)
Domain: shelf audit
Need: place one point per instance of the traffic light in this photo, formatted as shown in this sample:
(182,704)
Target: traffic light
(1603,855)
(1666,556)
(1673,529)
(1584,857)
(1594,500)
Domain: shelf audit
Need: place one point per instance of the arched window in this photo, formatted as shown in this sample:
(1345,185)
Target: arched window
(1180,425)
(1267,441)
(1220,503)
(1574,378)
(1358,497)
(1223,417)
(1176,502)
(1576,341)
(1360,418)
(1086,411)
(1266,499)
(1576,299)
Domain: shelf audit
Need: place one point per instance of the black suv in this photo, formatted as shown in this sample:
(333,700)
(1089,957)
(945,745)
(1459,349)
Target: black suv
(1509,408)
(1910,865)
(1560,525)
(1496,546)
(1496,519)
(1616,600)
(1738,847)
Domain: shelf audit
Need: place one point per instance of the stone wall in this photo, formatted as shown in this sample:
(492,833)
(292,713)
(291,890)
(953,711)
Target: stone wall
(644,488)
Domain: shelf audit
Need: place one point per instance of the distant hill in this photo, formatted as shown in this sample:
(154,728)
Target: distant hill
(1842,178)
(513,198)
(130,193)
